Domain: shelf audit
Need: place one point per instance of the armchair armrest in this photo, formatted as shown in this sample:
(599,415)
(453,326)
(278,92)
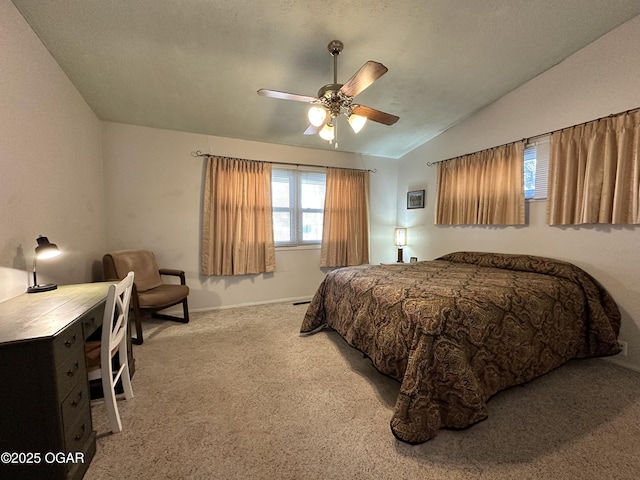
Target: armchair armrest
(175,273)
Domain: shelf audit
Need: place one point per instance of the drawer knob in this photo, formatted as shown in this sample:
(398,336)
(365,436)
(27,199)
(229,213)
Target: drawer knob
(81,433)
(72,371)
(78,399)
(70,342)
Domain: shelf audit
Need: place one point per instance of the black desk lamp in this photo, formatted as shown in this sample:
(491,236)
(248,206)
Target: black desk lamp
(45,249)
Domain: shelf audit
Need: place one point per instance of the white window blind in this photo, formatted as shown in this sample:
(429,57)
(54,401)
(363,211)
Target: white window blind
(536,168)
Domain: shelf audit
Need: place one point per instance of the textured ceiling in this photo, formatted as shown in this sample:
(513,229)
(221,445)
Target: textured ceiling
(195,65)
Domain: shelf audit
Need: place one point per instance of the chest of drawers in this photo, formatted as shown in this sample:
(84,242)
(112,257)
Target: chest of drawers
(45,411)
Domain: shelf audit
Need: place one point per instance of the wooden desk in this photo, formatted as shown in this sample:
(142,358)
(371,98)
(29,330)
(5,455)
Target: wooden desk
(45,410)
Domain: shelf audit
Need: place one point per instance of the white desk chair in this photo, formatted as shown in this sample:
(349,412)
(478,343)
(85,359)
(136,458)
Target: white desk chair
(114,340)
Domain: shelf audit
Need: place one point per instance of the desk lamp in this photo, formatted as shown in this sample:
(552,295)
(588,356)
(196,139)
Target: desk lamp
(45,249)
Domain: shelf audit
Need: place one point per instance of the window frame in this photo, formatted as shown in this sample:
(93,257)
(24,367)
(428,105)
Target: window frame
(296,211)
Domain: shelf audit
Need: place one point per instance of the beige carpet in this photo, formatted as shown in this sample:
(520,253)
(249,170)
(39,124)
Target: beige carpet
(237,394)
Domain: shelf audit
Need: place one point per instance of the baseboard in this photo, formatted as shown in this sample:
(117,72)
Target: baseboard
(253,304)
(622,363)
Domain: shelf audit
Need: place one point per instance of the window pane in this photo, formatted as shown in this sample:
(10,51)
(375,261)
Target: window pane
(280,191)
(282,227)
(312,190)
(312,226)
(536,169)
(529,172)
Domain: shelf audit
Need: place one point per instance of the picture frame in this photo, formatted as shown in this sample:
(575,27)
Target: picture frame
(415,199)
(413,259)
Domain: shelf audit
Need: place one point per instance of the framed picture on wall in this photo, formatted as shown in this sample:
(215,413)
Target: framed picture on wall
(415,199)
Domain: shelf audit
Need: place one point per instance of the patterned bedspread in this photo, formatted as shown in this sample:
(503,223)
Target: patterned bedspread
(456,330)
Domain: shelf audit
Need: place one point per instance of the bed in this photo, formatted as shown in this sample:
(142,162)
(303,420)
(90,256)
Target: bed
(456,330)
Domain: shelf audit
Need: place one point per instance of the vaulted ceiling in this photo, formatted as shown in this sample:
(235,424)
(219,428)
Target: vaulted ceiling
(195,65)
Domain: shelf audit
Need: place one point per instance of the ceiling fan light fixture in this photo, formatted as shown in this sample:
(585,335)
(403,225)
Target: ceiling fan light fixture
(336,99)
(357,122)
(327,132)
(317,115)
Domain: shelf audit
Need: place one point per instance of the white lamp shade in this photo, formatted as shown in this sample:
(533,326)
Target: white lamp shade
(48,254)
(357,122)
(400,237)
(327,132)
(317,115)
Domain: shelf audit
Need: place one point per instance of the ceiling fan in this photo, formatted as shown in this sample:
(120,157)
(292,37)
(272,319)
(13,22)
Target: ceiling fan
(335,99)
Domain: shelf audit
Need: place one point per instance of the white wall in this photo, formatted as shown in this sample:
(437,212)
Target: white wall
(50,164)
(153,190)
(597,81)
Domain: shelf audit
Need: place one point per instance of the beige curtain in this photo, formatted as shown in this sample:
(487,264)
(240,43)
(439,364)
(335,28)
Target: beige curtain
(345,232)
(237,223)
(594,172)
(483,188)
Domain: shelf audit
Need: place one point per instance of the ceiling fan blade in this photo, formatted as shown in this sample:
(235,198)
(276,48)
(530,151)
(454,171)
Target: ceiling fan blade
(364,77)
(286,96)
(375,115)
(312,130)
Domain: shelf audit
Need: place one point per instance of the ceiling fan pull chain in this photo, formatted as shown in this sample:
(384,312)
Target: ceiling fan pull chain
(335,67)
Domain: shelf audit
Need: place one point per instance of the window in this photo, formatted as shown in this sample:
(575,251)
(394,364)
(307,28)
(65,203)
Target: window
(536,169)
(298,206)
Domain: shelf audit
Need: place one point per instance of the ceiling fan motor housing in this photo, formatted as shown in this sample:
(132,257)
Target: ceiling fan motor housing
(334,100)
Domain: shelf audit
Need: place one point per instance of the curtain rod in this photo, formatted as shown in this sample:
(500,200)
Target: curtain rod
(430,164)
(527,139)
(198,153)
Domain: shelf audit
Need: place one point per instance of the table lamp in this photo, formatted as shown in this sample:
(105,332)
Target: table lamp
(400,240)
(45,249)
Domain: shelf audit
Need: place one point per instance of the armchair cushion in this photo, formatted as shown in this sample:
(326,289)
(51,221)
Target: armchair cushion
(141,262)
(162,296)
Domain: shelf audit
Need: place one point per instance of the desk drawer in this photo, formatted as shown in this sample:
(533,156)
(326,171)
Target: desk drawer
(78,433)
(92,320)
(71,372)
(76,404)
(67,342)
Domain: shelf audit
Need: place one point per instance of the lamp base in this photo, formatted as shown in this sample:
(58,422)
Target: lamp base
(400,258)
(42,288)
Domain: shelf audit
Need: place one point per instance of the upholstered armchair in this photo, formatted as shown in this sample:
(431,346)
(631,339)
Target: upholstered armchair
(150,293)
